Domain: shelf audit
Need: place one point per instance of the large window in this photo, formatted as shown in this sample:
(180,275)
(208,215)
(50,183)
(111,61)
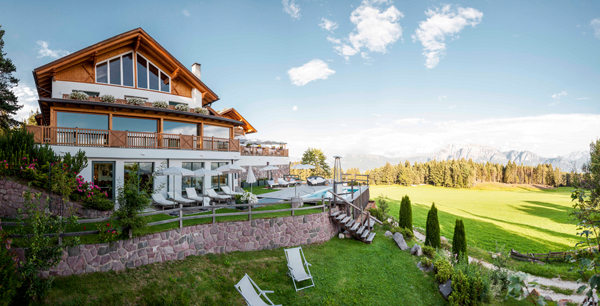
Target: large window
(215,131)
(194,182)
(82,121)
(151,77)
(219,180)
(141,173)
(104,177)
(117,70)
(134,124)
(173,127)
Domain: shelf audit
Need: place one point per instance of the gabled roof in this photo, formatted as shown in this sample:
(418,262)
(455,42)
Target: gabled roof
(139,39)
(233,114)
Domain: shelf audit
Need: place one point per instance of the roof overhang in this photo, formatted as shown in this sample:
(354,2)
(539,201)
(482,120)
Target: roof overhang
(234,114)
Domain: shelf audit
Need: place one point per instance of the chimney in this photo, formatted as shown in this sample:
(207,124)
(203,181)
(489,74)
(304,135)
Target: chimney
(196,70)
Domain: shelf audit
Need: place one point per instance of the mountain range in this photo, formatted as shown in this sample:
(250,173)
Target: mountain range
(478,153)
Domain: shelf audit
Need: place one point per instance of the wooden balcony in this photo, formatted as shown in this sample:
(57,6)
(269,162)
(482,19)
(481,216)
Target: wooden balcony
(256,151)
(125,139)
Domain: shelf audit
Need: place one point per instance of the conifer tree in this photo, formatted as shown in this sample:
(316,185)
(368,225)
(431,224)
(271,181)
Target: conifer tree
(405,213)
(432,234)
(459,240)
(8,99)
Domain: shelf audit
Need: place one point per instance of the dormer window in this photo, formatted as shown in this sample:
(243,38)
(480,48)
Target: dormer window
(116,71)
(149,76)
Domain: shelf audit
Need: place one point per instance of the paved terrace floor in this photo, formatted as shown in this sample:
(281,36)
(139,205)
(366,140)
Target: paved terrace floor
(286,193)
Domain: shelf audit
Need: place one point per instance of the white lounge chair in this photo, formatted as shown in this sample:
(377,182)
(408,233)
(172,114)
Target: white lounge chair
(246,287)
(282,182)
(176,196)
(294,182)
(229,192)
(192,195)
(272,183)
(296,263)
(159,199)
(217,197)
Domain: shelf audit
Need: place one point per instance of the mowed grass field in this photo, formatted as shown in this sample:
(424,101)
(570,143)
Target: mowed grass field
(521,218)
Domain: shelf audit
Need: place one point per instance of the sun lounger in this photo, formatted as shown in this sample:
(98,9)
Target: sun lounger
(294,182)
(192,195)
(229,192)
(248,289)
(282,182)
(217,197)
(159,199)
(272,183)
(296,264)
(176,196)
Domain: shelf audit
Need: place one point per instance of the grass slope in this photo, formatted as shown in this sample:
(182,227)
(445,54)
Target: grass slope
(527,220)
(346,271)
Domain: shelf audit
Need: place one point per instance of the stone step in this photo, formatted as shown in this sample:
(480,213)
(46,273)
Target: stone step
(365,234)
(345,220)
(336,213)
(340,217)
(355,226)
(360,230)
(371,236)
(349,224)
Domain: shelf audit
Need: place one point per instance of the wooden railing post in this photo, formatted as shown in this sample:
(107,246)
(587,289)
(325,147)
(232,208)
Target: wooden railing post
(292,205)
(250,213)
(180,215)
(212,144)
(323,202)
(213,217)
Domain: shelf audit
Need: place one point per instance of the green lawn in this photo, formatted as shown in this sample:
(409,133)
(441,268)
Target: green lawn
(527,220)
(346,271)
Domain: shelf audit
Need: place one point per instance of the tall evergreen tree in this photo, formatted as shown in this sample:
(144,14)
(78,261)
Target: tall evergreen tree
(405,213)
(459,240)
(432,229)
(8,99)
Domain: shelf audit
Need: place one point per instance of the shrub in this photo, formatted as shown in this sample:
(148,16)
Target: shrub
(78,95)
(107,233)
(459,240)
(377,213)
(108,99)
(443,270)
(136,101)
(425,262)
(383,205)
(41,252)
(201,110)
(9,278)
(77,162)
(477,289)
(133,199)
(386,226)
(406,233)
(432,234)
(428,251)
(160,104)
(460,290)
(182,107)
(405,213)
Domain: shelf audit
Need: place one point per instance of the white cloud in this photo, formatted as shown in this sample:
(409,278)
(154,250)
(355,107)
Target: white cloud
(443,22)
(583,98)
(278,78)
(376,29)
(27,97)
(44,51)
(292,8)
(409,121)
(441,98)
(452,106)
(365,55)
(328,25)
(295,108)
(186,13)
(333,40)
(311,71)
(595,24)
(557,97)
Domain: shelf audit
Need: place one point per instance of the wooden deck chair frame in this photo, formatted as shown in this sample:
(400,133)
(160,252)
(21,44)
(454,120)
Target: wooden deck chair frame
(260,291)
(304,264)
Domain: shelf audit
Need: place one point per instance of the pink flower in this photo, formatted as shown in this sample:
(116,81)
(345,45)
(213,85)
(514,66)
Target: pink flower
(88,196)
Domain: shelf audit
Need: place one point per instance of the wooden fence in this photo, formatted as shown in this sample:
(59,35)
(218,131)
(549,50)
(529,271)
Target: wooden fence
(538,257)
(249,212)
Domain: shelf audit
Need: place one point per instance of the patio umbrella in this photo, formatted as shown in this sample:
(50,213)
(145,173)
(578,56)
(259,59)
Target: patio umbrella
(250,179)
(230,168)
(270,168)
(174,171)
(206,173)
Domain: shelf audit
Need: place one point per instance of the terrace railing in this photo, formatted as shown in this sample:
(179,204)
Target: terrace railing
(255,151)
(126,139)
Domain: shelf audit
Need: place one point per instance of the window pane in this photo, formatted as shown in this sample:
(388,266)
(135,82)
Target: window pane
(82,121)
(104,177)
(164,82)
(145,172)
(102,73)
(115,71)
(219,180)
(142,72)
(216,131)
(134,124)
(193,182)
(128,69)
(172,127)
(153,77)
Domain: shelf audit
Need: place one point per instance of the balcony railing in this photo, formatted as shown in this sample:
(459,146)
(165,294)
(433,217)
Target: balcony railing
(255,151)
(126,139)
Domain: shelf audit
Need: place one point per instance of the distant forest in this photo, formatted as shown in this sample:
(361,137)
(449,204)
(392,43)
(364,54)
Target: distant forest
(465,173)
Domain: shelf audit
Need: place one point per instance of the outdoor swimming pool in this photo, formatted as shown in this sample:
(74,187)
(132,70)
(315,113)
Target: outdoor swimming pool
(320,193)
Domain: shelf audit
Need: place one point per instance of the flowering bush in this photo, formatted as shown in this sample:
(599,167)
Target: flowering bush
(160,104)
(201,110)
(107,99)
(182,107)
(91,195)
(107,234)
(246,197)
(78,95)
(136,101)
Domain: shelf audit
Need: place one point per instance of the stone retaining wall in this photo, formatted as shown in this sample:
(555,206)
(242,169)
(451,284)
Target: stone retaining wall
(11,199)
(177,244)
(283,170)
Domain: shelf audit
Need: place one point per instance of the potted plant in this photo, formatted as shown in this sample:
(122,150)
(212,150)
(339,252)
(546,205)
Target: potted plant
(107,99)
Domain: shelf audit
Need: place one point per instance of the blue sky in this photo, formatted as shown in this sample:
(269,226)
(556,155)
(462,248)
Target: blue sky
(354,76)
